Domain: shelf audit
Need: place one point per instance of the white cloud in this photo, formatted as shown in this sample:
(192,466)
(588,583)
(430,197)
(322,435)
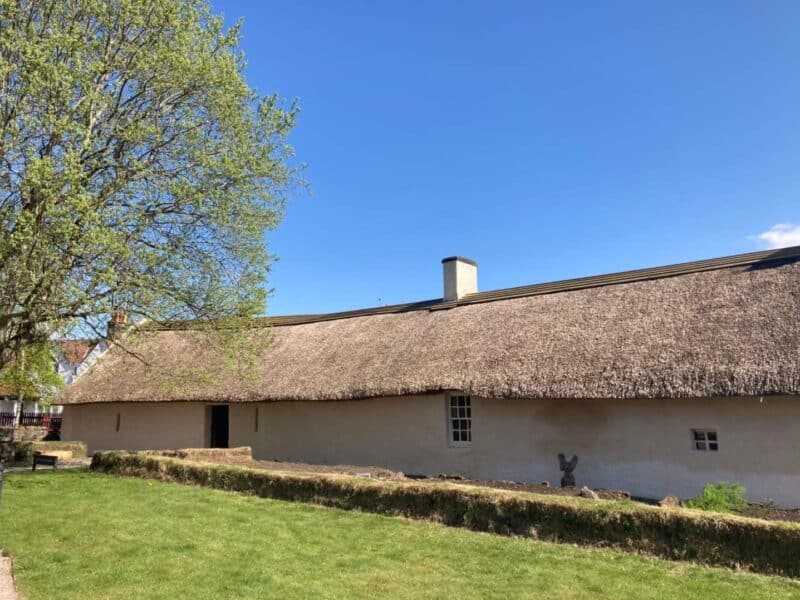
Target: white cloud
(781,235)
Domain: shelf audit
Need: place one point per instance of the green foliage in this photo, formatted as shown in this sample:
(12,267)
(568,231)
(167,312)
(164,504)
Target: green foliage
(32,374)
(674,534)
(720,497)
(138,169)
(76,535)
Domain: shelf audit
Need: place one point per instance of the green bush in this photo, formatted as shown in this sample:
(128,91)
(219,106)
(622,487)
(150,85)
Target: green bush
(720,497)
(674,534)
(23,452)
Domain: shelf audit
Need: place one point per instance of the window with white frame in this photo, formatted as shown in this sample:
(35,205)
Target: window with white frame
(459,420)
(705,440)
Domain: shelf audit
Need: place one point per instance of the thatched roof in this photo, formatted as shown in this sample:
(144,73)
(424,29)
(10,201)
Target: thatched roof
(722,327)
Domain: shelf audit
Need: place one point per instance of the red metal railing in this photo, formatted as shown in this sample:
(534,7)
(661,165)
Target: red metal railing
(31,419)
(51,421)
(54,423)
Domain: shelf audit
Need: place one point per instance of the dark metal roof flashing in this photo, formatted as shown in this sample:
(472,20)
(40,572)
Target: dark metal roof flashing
(759,259)
(469,261)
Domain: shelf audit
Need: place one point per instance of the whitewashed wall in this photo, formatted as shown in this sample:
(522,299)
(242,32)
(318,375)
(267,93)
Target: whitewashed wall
(643,446)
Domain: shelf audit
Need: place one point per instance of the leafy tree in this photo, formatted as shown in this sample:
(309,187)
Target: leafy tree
(31,375)
(138,170)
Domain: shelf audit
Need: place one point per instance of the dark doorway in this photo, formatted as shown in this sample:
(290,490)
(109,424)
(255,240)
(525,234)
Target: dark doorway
(219,426)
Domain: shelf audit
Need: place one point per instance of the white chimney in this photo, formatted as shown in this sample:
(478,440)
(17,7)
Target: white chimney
(460,277)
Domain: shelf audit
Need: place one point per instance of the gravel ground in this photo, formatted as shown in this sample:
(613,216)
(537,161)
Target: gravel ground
(77,463)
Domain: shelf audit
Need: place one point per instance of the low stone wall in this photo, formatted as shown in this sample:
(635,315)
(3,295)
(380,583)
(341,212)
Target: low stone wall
(30,434)
(11,437)
(6,444)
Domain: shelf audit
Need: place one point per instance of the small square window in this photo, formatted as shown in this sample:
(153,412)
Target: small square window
(705,440)
(459,421)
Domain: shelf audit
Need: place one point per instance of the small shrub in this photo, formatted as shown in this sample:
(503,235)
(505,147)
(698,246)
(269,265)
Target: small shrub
(23,452)
(720,497)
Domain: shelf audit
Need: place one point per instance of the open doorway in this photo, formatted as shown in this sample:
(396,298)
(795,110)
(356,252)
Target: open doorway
(219,426)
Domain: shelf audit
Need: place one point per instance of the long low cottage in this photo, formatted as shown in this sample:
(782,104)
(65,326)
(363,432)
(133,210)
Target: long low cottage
(660,380)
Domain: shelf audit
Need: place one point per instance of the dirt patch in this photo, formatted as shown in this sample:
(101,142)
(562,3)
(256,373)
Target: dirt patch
(7,589)
(241,457)
(771,513)
(539,488)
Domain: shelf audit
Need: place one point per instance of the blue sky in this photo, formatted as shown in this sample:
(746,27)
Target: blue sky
(543,140)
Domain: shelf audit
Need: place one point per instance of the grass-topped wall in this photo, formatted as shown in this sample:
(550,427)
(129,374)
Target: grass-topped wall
(24,451)
(762,546)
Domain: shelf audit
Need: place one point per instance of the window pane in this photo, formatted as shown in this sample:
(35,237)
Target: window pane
(699,435)
(459,419)
(700,445)
(712,436)
(713,446)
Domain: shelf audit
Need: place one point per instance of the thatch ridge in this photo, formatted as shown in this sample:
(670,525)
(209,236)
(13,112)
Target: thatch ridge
(727,327)
(536,289)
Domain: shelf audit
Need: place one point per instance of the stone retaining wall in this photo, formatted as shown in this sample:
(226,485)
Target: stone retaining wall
(11,435)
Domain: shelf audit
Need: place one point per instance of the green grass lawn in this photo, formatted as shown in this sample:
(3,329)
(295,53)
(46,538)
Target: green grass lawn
(81,535)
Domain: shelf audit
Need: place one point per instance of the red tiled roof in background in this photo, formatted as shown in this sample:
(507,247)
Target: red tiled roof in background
(75,351)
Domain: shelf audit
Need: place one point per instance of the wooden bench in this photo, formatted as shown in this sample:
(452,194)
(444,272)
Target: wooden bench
(44,460)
